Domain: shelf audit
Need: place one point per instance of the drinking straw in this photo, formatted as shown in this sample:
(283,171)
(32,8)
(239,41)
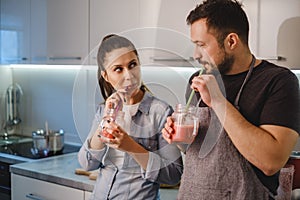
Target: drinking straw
(193,91)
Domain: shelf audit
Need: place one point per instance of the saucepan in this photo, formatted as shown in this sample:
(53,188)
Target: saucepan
(47,142)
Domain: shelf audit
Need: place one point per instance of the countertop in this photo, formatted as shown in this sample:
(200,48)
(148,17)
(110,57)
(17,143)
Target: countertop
(57,169)
(61,170)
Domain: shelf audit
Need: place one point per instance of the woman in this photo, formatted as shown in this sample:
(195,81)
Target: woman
(132,163)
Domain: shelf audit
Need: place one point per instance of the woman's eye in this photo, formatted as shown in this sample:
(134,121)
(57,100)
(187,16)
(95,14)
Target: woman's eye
(118,69)
(133,64)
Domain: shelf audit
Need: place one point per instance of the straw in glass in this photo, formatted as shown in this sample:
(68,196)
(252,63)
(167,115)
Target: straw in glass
(193,91)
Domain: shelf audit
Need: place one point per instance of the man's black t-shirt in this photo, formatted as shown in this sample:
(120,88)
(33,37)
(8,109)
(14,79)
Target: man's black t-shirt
(270,96)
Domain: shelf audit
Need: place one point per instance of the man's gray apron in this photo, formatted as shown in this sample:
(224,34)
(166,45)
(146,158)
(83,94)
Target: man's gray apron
(214,169)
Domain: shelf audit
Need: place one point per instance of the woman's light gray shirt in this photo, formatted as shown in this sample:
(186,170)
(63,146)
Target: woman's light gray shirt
(130,181)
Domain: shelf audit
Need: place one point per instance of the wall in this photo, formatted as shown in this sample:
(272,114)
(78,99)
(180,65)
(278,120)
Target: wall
(5,81)
(66,96)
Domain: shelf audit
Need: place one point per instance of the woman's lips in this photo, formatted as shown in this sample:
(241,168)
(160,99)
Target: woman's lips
(128,88)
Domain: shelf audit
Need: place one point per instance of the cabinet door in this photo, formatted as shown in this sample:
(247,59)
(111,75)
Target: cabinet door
(252,11)
(14,31)
(29,188)
(67,31)
(174,35)
(272,15)
(39,41)
(110,16)
(87,195)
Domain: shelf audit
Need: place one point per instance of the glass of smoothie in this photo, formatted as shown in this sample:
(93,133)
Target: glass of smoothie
(113,115)
(186,124)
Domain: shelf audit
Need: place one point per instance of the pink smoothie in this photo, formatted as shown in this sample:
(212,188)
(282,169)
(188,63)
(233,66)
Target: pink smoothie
(183,133)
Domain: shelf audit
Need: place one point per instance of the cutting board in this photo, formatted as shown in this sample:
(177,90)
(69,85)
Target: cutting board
(91,174)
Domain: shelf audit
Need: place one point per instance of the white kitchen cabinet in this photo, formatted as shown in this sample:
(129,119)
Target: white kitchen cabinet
(29,188)
(59,31)
(266,17)
(273,15)
(67,31)
(44,31)
(87,195)
(173,36)
(14,31)
(157,28)
(110,16)
(252,12)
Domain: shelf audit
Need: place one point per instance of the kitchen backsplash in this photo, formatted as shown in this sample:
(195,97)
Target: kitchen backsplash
(67,96)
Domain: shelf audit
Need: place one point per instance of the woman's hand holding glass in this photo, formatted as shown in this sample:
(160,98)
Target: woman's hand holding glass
(116,137)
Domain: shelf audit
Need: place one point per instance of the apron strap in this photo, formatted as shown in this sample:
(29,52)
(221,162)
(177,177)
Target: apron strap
(237,99)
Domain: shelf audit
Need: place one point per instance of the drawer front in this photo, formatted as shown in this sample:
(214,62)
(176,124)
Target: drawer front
(28,188)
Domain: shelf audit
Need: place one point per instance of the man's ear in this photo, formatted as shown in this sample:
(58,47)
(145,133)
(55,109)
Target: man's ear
(104,75)
(231,40)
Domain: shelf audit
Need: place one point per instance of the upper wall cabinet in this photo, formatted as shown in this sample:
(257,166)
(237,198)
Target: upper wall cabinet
(110,16)
(173,36)
(59,31)
(273,16)
(69,31)
(273,30)
(14,31)
(44,31)
(152,26)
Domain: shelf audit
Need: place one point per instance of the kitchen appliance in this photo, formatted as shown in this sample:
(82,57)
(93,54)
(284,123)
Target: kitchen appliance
(56,141)
(16,152)
(47,142)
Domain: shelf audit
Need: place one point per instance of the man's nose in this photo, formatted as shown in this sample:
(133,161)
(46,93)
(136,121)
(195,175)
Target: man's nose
(197,53)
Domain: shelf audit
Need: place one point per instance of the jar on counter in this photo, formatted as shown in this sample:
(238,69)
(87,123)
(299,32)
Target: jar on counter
(186,124)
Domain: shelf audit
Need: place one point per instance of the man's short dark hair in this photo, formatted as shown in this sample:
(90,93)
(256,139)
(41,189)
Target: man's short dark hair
(222,17)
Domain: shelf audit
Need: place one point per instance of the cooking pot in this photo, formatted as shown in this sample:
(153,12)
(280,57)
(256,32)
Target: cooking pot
(45,143)
(295,160)
(56,141)
(39,143)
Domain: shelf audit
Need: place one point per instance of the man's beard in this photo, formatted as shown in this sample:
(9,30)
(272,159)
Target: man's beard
(226,65)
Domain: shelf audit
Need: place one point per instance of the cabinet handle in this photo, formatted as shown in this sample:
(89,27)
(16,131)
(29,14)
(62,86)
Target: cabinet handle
(64,58)
(33,197)
(16,59)
(277,58)
(170,59)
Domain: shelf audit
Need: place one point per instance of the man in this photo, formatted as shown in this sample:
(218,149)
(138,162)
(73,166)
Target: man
(247,131)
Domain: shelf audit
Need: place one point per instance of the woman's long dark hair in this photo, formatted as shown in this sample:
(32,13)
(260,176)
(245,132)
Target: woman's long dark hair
(108,44)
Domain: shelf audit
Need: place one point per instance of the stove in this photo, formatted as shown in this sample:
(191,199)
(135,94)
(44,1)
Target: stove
(25,149)
(15,150)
